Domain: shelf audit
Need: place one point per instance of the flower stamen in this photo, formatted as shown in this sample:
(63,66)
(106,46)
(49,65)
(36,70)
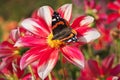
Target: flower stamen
(54,43)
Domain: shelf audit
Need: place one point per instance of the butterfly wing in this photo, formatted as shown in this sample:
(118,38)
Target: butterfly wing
(61,29)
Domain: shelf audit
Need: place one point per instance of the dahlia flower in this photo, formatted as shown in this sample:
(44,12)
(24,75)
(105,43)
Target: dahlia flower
(115,6)
(47,40)
(10,56)
(106,71)
(7,50)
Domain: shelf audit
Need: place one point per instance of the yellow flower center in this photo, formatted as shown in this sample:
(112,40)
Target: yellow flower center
(16,52)
(54,43)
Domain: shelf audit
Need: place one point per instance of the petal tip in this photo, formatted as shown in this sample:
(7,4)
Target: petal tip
(42,75)
(97,34)
(21,67)
(89,36)
(80,63)
(87,20)
(69,4)
(46,12)
(17,44)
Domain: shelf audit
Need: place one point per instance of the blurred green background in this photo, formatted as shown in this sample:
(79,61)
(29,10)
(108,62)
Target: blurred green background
(17,9)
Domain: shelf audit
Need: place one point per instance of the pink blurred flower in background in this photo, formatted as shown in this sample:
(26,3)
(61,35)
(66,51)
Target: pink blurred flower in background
(115,7)
(99,71)
(114,17)
(105,40)
(7,50)
(95,9)
(10,56)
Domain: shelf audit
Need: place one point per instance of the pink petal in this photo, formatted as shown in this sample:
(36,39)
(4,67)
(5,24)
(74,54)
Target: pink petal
(113,78)
(89,4)
(5,52)
(118,1)
(6,45)
(6,62)
(46,12)
(37,27)
(94,68)
(105,33)
(30,41)
(113,6)
(28,77)
(107,63)
(86,73)
(112,17)
(65,11)
(34,54)
(35,15)
(115,71)
(6,49)
(47,63)
(73,55)
(88,36)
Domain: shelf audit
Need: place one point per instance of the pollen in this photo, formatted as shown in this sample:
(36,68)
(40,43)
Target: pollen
(22,34)
(54,43)
(16,52)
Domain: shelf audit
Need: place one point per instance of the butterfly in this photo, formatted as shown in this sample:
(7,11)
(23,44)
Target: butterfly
(62,30)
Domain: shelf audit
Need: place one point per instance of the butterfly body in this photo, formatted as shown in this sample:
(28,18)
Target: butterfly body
(62,30)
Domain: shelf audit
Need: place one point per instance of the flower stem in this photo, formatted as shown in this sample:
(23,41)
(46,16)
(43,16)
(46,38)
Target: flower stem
(90,50)
(31,71)
(117,51)
(49,76)
(62,66)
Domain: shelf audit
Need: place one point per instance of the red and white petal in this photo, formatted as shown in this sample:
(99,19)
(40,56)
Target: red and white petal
(113,78)
(34,54)
(14,35)
(35,26)
(6,49)
(6,62)
(65,11)
(82,21)
(22,31)
(75,24)
(46,12)
(88,36)
(73,55)
(6,45)
(30,41)
(3,63)
(107,63)
(5,52)
(86,21)
(47,63)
